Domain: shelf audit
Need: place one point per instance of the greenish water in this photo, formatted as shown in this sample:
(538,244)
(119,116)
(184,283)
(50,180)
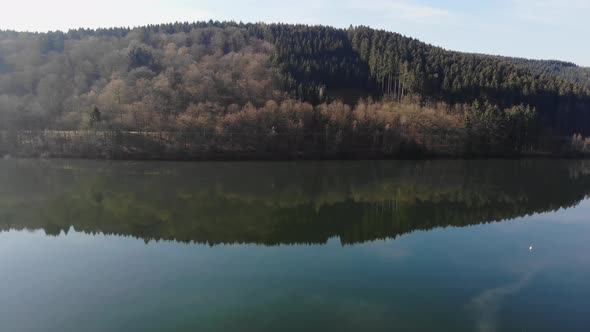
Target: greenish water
(315,246)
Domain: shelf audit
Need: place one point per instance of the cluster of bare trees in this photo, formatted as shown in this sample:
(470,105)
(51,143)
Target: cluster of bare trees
(136,82)
(286,129)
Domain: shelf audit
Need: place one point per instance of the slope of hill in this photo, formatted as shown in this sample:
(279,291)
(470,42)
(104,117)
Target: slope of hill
(566,70)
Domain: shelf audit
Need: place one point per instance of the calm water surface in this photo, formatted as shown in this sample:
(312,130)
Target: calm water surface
(334,246)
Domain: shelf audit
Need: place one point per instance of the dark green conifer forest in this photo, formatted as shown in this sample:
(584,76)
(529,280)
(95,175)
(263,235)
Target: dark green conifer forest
(226,89)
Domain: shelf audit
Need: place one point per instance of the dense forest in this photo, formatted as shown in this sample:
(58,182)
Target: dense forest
(565,70)
(214,89)
(280,203)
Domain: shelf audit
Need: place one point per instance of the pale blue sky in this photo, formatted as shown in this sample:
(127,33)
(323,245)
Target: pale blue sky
(545,29)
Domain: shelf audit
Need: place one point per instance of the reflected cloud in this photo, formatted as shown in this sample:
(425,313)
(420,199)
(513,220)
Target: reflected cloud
(389,251)
(487,304)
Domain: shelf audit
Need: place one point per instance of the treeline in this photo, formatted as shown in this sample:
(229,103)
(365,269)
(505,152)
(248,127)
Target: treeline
(354,87)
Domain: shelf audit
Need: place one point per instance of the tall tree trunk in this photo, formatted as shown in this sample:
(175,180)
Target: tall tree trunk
(389,84)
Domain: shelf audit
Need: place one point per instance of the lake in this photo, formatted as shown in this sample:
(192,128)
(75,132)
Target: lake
(483,245)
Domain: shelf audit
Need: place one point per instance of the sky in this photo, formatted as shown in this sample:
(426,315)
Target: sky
(538,29)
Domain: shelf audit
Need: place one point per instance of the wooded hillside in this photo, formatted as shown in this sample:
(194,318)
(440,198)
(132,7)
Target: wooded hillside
(220,78)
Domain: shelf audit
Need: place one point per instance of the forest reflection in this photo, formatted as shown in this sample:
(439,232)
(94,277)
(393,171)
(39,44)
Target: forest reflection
(280,203)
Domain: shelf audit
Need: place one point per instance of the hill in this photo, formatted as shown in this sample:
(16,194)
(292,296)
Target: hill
(263,81)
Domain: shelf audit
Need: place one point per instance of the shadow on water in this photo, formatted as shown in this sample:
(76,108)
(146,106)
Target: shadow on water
(280,203)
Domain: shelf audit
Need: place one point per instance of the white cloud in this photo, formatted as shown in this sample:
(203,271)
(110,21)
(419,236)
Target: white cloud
(35,15)
(558,13)
(300,12)
(406,10)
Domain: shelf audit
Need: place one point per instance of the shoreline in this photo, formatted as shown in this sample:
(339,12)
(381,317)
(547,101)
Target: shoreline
(234,158)
(183,146)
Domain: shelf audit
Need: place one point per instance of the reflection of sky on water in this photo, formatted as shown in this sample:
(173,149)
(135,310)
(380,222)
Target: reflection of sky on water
(560,248)
(579,215)
(474,274)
